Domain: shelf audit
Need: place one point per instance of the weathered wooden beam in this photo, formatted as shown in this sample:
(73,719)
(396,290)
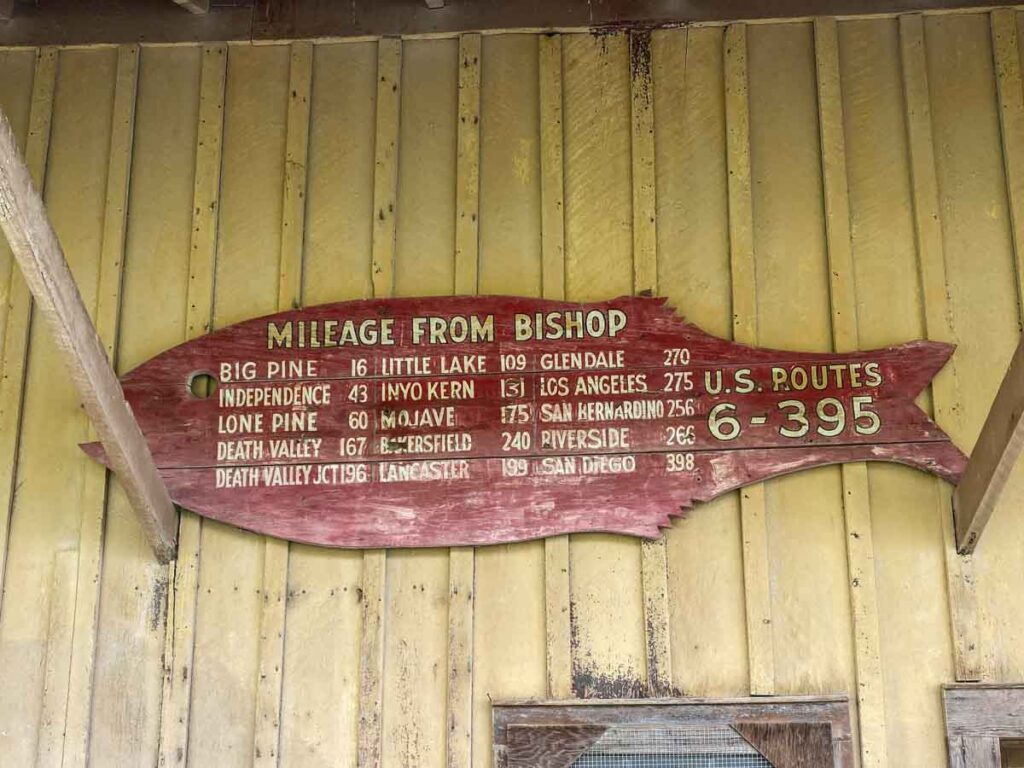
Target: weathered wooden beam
(38,252)
(195,6)
(85,22)
(998,447)
(434,4)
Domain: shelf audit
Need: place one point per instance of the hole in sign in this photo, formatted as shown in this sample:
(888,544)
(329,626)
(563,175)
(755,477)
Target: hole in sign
(201,385)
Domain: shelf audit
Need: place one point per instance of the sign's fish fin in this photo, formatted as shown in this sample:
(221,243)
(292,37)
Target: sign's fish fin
(96,453)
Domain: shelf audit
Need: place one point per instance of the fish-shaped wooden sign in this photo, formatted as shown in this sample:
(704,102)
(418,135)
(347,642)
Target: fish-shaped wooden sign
(477,420)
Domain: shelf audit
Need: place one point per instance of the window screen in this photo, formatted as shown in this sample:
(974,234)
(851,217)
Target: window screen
(626,746)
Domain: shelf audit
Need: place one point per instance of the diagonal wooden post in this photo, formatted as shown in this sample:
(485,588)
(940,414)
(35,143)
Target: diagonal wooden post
(38,252)
(993,458)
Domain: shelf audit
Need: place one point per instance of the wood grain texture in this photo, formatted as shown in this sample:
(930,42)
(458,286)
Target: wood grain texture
(19,303)
(247,279)
(653,560)
(59,641)
(992,710)
(549,746)
(415,648)
(1006,55)
(42,262)
(46,516)
(860,550)
(68,22)
(131,630)
(461,562)
(913,626)
(320,703)
(704,551)
(829,713)
(385,177)
(760,651)
(467,226)
(938,326)
(999,443)
(552,193)
(790,745)
(509,624)
(706,603)
(385,181)
(106,314)
(183,575)
(267,737)
(608,640)
(977,752)
(993,459)
(792,260)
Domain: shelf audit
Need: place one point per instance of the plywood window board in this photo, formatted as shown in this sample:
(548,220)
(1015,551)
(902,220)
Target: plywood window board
(985,725)
(762,732)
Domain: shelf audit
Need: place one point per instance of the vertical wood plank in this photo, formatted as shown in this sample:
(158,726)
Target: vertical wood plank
(46,515)
(106,317)
(813,647)
(267,734)
(756,574)
(319,711)
(552,186)
(845,336)
(607,603)
(228,612)
(910,581)
(461,564)
(974,752)
(385,177)
(183,574)
(131,628)
(385,192)
(963,605)
(1011,117)
(704,550)
(18,66)
(509,652)
(653,562)
(16,332)
(467,192)
(60,631)
(415,721)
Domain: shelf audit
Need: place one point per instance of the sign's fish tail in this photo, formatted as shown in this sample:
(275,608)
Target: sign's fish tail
(95,452)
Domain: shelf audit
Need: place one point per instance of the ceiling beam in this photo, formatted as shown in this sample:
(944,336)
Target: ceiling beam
(91,22)
(195,6)
(994,455)
(38,252)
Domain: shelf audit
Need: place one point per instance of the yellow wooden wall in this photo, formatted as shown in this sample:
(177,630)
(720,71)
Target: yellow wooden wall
(803,185)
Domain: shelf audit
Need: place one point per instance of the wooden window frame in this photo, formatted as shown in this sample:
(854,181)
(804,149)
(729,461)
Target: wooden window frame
(978,717)
(552,734)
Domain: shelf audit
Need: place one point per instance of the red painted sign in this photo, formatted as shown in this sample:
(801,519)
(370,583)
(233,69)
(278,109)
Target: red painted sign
(477,420)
